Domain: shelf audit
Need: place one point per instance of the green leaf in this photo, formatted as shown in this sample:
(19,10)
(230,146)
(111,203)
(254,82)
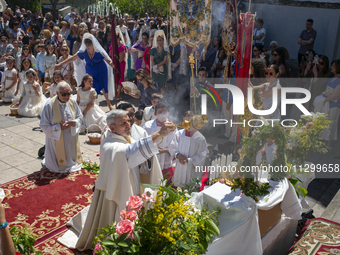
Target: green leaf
(212,226)
(183,245)
(123,244)
(304,192)
(122,237)
(169,191)
(108,242)
(151,186)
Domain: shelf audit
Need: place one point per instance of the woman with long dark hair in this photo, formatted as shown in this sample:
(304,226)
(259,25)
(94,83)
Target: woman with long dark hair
(146,87)
(279,56)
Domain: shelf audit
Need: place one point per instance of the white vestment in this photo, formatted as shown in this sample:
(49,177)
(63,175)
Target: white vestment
(122,168)
(53,133)
(195,149)
(164,158)
(138,132)
(148,114)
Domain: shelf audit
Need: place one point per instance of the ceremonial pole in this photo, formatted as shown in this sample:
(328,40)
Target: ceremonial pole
(115,56)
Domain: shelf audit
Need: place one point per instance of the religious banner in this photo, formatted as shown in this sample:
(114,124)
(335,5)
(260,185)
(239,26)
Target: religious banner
(115,54)
(190,22)
(229,33)
(244,49)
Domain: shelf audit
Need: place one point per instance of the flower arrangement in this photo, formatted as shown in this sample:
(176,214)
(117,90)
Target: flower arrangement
(292,147)
(162,221)
(23,240)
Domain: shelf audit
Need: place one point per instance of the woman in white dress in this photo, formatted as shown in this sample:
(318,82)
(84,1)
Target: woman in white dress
(26,64)
(31,100)
(92,114)
(11,79)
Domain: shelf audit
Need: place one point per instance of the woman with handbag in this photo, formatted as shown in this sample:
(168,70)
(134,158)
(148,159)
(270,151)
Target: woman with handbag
(67,69)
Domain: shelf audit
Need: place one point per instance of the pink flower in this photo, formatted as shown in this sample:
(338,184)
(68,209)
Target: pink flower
(185,191)
(303,128)
(289,176)
(97,248)
(148,198)
(125,226)
(221,181)
(128,215)
(97,155)
(135,203)
(6,114)
(309,124)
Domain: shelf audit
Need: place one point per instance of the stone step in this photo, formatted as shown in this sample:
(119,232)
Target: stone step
(332,211)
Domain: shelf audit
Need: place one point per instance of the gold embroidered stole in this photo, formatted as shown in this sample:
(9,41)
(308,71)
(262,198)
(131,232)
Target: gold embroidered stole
(61,157)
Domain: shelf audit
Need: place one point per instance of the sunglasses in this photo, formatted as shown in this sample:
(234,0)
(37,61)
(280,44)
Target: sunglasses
(275,55)
(255,50)
(140,79)
(321,63)
(3,40)
(266,73)
(25,49)
(66,94)
(64,50)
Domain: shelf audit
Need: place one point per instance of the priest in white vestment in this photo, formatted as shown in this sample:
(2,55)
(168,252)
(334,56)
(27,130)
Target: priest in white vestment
(61,121)
(164,157)
(189,148)
(149,112)
(137,132)
(122,169)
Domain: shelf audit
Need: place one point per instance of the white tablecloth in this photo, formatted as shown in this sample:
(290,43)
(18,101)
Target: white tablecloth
(238,221)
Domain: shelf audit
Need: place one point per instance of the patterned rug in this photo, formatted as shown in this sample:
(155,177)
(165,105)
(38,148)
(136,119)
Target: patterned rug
(318,237)
(46,201)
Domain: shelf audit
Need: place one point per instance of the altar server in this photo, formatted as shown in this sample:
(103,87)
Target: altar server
(149,112)
(164,158)
(189,148)
(122,169)
(61,121)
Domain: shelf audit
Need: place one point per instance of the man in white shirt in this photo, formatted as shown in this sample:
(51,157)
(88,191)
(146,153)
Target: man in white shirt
(122,169)
(259,33)
(68,16)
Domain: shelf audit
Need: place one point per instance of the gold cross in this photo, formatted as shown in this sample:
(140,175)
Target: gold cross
(61,161)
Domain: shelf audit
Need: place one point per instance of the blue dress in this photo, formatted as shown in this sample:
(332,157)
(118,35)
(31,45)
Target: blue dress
(97,69)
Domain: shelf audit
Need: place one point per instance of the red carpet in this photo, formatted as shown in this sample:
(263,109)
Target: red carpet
(318,237)
(46,201)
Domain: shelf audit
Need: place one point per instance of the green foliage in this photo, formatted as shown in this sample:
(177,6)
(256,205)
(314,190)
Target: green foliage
(133,7)
(292,147)
(168,225)
(23,240)
(32,5)
(81,4)
(91,166)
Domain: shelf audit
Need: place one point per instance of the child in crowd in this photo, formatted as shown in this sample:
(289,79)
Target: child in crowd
(92,114)
(149,112)
(189,149)
(41,62)
(57,77)
(138,117)
(164,158)
(26,64)
(11,78)
(31,100)
(50,61)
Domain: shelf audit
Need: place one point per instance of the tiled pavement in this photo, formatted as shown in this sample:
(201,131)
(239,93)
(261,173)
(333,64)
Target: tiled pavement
(21,138)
